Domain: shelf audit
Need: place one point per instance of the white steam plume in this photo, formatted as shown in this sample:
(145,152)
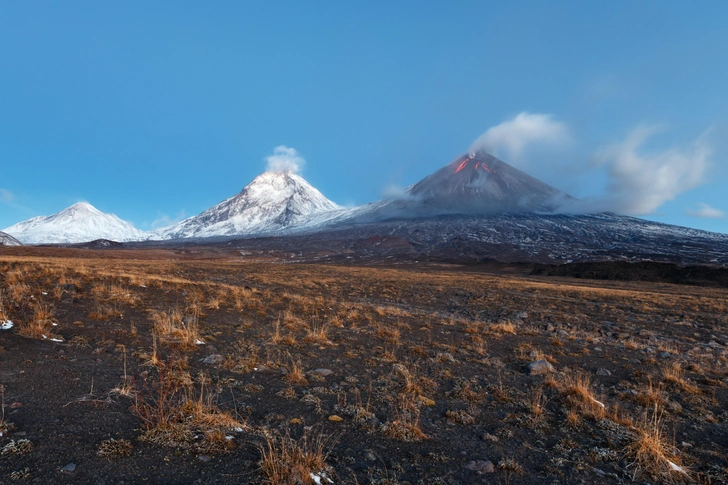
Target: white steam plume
(513,135)
(285,159)
(705,211)
(641,182)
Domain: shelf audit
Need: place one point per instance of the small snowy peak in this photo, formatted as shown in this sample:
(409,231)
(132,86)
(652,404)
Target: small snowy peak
(8,240)
(78,223)
(272,202)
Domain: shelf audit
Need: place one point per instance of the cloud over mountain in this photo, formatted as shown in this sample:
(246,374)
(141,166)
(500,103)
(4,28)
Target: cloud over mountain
(641,182)
(706,211)
(285,159)
(511,137)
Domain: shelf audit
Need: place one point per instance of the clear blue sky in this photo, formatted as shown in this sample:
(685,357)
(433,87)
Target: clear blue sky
(161,109)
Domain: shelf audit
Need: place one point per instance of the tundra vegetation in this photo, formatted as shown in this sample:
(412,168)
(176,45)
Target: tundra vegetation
(147,365)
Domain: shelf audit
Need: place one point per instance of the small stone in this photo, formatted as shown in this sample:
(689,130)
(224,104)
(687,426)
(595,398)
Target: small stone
(481,466)
(322,372)
(597,349)
(540,367)
(203,458)
(213,359)
(665,355)
(69,468)
(490,437)
(604,372)
(295,421)
(369,456)
(16,405)
(521,316)
(335,418)
(550,328)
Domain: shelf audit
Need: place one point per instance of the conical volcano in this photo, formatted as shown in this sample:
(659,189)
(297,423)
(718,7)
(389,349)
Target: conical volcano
(473,184)
(479,183)
(272,202)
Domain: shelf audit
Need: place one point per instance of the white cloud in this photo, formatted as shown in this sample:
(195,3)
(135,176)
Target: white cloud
(512,136)
(164,220)
(395,192)
(707,212)
(641,182)
(285,159)
(6,196)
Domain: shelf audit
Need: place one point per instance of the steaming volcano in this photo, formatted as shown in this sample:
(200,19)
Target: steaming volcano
(473,184)
(481,184)
(272,202)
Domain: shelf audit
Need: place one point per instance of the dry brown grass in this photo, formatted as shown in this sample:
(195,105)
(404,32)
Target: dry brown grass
(674,373)
(285,461)
(653,454)
(175,413)
(41,325)
(317,333)
(578,388)
(175,328)
(295,374)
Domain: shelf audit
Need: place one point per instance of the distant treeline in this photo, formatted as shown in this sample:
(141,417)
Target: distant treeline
(643,271)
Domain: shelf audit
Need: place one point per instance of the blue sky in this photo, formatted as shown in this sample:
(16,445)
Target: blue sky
(159,110)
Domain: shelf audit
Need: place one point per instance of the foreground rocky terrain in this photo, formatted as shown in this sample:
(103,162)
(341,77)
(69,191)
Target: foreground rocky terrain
(191,366)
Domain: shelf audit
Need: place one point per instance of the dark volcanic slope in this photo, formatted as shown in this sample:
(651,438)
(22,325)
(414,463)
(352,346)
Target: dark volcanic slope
(482,184)
(472,184)
(516,237)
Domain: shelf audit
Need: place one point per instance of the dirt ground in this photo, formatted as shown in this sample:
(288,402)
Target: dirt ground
(143,367)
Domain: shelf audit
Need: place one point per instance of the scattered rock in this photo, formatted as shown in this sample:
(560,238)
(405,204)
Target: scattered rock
(322,372)
(69,468)
(445,358)
(213,359)
(540,367)
(369,456)
(604,372)
(521,316)
(665,355)
(335,418)
(203,458)
(481,466)
(550,328)
(490,437)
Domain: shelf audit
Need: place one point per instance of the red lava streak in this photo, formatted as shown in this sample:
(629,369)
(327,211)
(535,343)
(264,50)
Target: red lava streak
(477,165)
(462,165)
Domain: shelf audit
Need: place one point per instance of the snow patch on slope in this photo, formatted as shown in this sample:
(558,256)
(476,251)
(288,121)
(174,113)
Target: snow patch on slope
(8,240)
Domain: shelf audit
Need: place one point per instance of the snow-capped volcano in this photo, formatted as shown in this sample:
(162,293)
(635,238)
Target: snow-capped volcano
(8,240)
(81,222)
(272,202)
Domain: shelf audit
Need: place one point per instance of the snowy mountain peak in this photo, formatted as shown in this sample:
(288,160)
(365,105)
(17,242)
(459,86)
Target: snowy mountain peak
(272,202)
(80,222)
(80,209)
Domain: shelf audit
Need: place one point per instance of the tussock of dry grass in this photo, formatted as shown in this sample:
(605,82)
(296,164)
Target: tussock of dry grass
(175,328)
(285,461)
(653,455)
(41,325)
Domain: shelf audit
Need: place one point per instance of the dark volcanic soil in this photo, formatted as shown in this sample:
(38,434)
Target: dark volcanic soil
(441,347)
